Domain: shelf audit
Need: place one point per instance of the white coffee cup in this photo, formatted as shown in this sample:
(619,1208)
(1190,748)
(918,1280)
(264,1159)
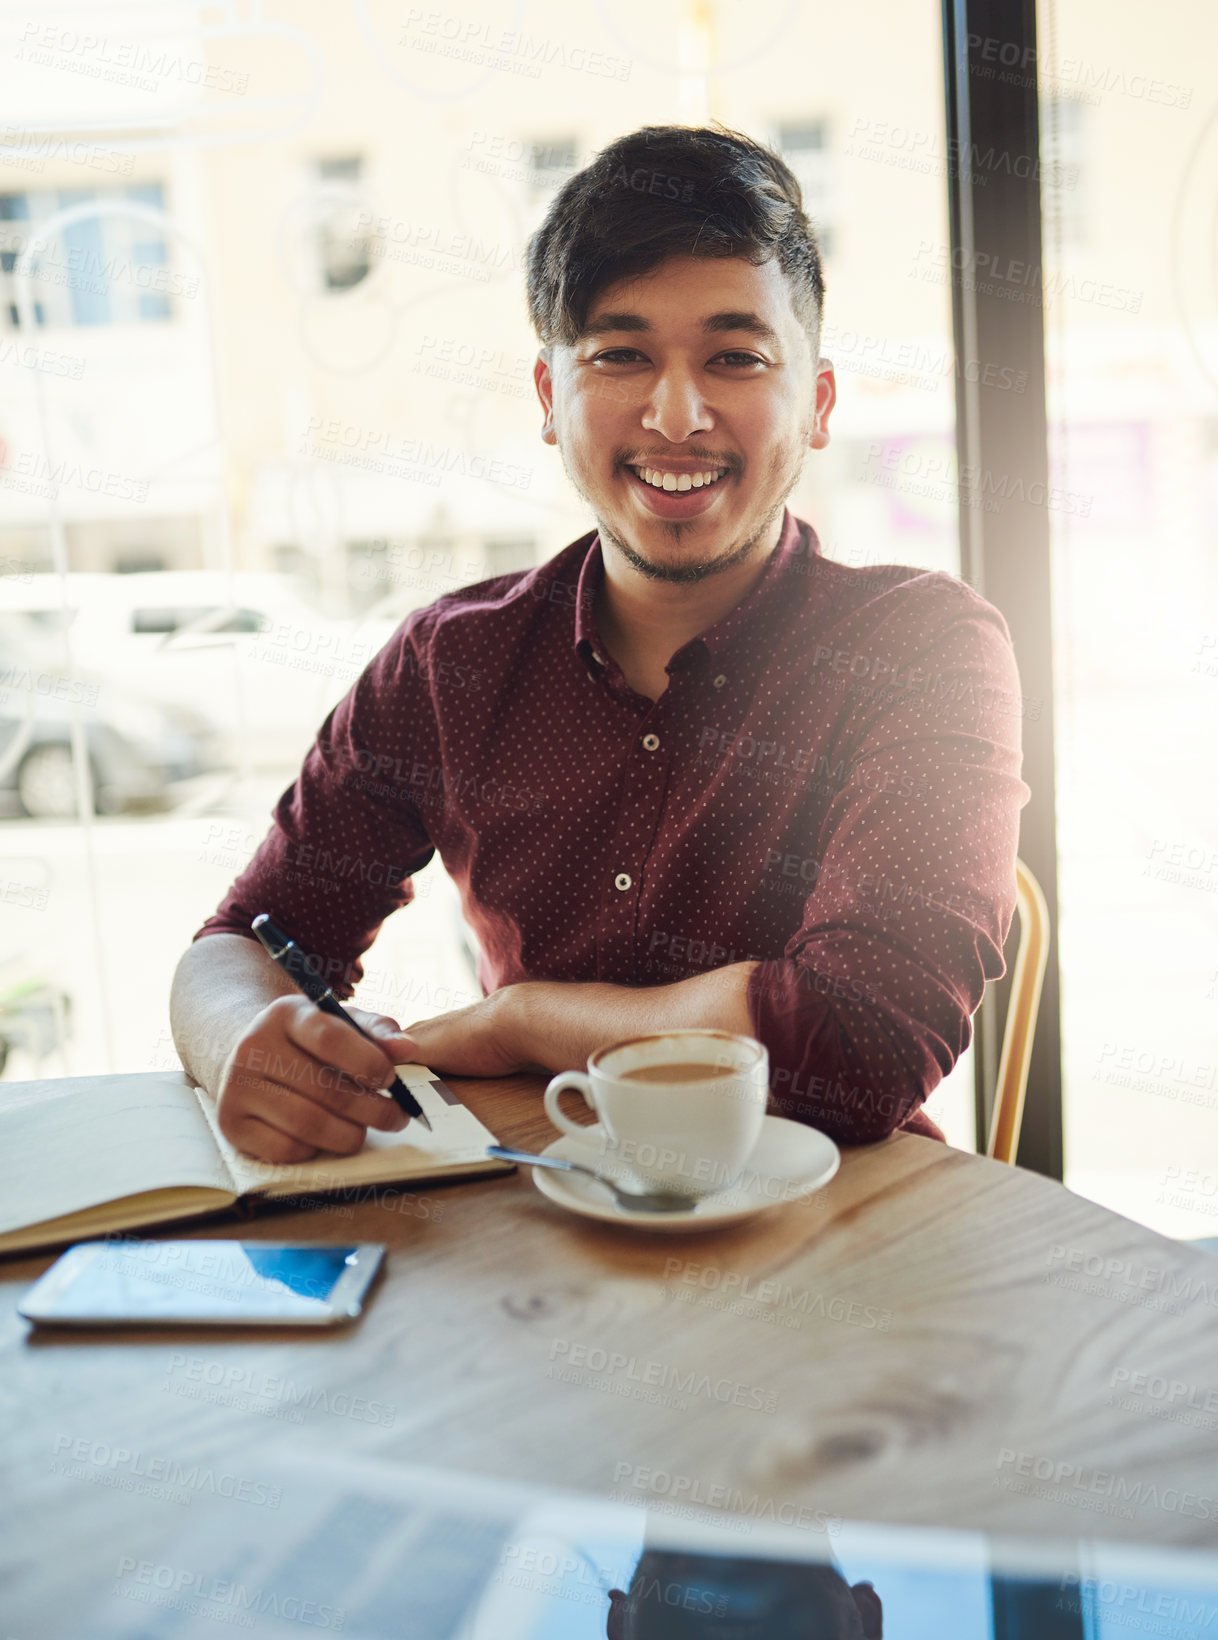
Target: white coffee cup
(688,1135)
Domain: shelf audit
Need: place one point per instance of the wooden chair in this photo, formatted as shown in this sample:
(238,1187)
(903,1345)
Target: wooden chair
(1027,977)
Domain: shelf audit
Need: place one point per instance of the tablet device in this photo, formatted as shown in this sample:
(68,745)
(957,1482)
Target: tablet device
(124,1281)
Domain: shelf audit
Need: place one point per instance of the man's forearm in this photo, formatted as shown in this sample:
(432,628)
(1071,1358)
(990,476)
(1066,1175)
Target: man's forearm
(557,1024)
(221,983)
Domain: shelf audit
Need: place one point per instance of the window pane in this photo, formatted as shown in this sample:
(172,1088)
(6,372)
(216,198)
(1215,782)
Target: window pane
(375,441)
(1132,343)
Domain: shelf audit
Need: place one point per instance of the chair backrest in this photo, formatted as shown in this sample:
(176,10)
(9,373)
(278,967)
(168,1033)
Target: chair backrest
(1027,977)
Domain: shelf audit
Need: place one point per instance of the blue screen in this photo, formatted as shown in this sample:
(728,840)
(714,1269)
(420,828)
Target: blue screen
(205,1279)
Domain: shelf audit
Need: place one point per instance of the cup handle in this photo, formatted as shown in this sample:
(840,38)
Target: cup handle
(554,1092)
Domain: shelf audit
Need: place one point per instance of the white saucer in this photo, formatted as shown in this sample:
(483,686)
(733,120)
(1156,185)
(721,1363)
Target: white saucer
(790,1161)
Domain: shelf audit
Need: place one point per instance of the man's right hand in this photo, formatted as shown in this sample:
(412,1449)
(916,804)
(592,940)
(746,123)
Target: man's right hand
(299,1081)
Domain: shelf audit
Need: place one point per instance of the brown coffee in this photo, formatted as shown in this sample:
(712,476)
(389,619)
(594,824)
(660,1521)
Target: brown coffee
(678,1072)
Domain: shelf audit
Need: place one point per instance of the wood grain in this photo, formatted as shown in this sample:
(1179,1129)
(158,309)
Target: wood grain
(898,1348)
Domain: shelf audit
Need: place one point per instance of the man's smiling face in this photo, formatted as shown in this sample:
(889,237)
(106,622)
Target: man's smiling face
(684,412)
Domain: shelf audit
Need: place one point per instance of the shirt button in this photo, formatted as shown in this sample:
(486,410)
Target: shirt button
(720,680)
(650,742)
(598,657)
(623,880)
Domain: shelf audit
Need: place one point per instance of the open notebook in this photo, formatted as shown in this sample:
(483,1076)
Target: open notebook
(88,1155)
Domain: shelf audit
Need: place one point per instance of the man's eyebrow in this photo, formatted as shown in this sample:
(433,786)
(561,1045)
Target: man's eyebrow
(605,324)
(750,322)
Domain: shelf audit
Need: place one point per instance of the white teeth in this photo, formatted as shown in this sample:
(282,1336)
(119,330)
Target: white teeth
(678,481)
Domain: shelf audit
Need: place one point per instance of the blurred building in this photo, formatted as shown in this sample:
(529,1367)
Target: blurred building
(310,346)
(311,343)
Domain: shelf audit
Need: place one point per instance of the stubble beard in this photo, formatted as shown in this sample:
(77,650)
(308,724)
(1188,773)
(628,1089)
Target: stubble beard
(678,532)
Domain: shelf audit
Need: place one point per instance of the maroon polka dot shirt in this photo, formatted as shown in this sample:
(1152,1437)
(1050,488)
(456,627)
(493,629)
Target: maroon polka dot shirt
(828,786)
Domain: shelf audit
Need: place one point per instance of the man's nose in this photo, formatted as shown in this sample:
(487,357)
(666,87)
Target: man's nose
(677,409)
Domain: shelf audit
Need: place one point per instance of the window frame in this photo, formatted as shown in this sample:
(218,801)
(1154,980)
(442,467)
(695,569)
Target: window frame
(1006,554)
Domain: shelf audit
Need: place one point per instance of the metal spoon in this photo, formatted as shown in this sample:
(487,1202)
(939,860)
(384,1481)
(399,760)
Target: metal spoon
(634,1201)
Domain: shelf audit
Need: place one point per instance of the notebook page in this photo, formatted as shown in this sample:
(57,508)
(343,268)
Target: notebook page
(457,1144)
(79,1141)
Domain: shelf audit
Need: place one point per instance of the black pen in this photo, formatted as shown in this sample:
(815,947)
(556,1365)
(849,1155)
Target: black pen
(302,970)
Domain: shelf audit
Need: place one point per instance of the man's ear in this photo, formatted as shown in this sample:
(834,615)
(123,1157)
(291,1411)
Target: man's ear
(869,1610)
(544,383)
(826,398)
(615,1623)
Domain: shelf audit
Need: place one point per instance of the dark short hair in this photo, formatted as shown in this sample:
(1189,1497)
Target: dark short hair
(669,190)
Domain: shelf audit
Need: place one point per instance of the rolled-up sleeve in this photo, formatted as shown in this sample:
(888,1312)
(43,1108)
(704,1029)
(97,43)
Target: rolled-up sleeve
(914,888)
(348,834)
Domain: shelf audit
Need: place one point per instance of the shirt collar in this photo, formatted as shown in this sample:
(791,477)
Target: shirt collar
(792,557)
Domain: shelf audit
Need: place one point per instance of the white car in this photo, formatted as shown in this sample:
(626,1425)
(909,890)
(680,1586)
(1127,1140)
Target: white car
(247,650)
(140,751)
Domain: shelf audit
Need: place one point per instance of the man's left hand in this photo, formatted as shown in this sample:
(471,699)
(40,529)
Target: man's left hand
(480,1040)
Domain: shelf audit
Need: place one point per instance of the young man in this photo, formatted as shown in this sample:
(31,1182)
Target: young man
(686,773)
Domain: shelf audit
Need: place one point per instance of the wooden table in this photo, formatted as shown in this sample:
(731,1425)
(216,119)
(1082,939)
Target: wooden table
(932,1338)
